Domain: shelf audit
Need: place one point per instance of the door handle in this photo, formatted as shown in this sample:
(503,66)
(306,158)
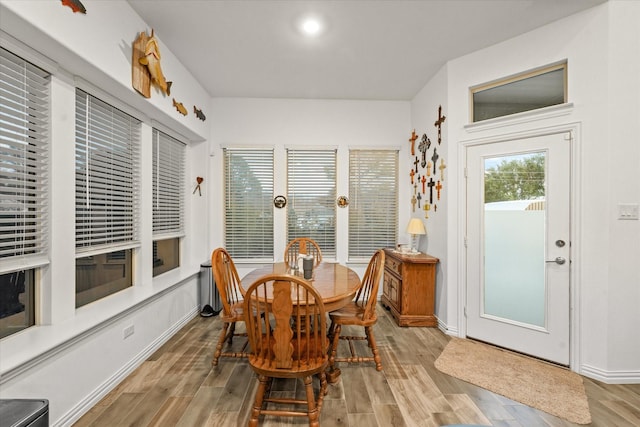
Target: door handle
(559,260)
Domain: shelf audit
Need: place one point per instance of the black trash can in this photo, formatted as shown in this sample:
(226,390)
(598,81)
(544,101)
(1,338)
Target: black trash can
(209,297)
(24,413)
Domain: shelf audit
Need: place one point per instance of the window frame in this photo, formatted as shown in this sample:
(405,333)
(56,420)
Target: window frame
(24,172)
(306,159)
(378,234)
(245,232)
(169,174)
(102,129)
(519,77)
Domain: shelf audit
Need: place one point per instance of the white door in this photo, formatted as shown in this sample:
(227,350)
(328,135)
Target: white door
(518,245)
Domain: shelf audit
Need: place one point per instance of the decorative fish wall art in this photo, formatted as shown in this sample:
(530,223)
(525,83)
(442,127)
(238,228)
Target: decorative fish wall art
(199,114)
(75,5)
(180,107)
(151,59)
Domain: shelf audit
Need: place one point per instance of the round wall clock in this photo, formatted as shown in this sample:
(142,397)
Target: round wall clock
(280,202)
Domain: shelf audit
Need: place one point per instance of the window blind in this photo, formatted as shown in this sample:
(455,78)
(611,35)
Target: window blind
(373,201)
(107,169)
(311,188)
(168,186)
(24,121)
(248,183)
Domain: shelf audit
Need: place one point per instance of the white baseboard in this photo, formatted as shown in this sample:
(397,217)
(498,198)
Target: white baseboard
(610,377)
(75,413)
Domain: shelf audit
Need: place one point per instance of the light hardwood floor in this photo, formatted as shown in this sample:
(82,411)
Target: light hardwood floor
(178,387)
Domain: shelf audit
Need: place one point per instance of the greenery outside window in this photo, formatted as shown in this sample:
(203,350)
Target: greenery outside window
(107,177)
(24,177)
(168,201)
(373,204)
(528,91)
(248,202)
(311,188)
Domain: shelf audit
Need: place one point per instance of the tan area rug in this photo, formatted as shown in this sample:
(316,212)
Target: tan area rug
(540,385)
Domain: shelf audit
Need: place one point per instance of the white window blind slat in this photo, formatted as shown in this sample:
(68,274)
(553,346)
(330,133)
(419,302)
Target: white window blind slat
(373,201)
(168,184)
(24,118)
(107,175)
(248,183)
(311,189)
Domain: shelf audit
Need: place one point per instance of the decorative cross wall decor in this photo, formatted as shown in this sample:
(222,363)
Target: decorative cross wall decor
(412,140)
(442,167)
(435,159)
(430,184)
(423,147)
(425,166)
(439,123)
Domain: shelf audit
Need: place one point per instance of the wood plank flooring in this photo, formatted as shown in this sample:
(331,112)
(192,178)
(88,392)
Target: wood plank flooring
(177,386)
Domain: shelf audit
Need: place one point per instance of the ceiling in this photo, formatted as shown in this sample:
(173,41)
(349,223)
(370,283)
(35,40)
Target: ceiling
(368,50)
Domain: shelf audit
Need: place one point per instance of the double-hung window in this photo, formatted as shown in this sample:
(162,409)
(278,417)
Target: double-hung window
(373,207)
(248,202)
(107,189)
(168,201)
(24,177)
(311,187)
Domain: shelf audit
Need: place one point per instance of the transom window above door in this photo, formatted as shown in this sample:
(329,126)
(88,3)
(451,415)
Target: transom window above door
(527,91)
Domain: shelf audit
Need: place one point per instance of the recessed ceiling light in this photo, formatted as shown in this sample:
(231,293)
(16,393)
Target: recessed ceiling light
(311,27)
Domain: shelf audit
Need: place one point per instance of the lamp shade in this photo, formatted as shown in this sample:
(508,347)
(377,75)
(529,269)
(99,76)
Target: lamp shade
(416,226)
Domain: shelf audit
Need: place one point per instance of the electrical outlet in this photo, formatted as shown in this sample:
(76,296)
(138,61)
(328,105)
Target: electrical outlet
(128,331)
(628,211)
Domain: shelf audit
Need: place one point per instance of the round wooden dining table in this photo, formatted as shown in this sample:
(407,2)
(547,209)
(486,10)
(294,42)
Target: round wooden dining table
(337,284)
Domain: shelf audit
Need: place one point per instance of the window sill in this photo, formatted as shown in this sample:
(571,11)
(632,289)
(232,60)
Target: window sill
(23,350)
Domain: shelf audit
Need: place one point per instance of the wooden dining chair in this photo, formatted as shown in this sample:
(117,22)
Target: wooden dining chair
(304,246)
(232,296)
(291,344)
(359,312)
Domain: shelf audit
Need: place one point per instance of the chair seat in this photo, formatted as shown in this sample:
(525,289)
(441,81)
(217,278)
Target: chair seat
(352,314)
(237,313)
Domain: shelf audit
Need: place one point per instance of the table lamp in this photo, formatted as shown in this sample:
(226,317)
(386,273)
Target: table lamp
(415,227)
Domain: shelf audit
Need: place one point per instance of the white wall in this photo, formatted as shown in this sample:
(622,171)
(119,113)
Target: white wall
(75,356)
(293,122)
(604,89)
(424,113)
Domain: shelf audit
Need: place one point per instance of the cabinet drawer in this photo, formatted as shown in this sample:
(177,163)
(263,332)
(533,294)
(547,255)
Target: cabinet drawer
(392,289)
(393,265)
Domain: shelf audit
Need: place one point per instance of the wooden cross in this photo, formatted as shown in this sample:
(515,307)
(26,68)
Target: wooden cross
(419,197)
(423,147)
(430,184)
(423,180)
(416,163)
(442,167)
(435,159)
(426,208)
(412,174)
(429,169)
(439,123)
(435,208)
(413,203)
(412,140)
(415,188)
(438,187)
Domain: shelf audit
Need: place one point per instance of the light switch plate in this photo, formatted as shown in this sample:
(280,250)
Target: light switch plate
(628,211)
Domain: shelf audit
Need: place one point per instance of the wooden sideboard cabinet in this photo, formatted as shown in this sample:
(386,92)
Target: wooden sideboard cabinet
(409,288)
